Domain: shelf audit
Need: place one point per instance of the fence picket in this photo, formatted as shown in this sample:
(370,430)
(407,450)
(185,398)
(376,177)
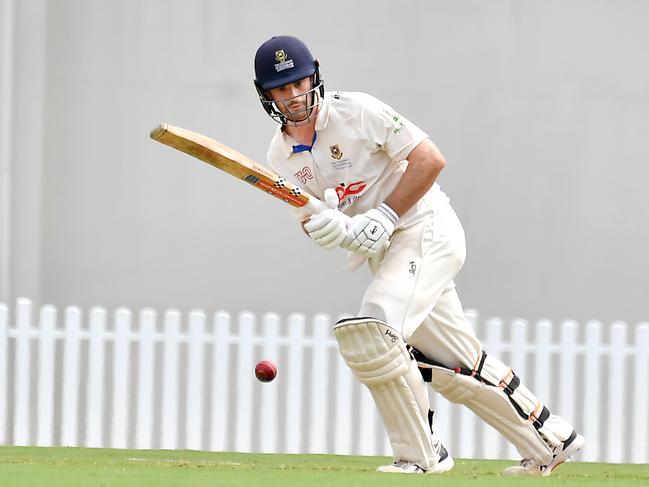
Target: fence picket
(121,378)
(245,377)
(45,397)
(95,379)
(146,361)
(294,383)
(71,379)
(616,382)
(269,413)
(220,382)
(22,381)
(592,379)
(567,368)
(170,374)
(319,380)
(195,368)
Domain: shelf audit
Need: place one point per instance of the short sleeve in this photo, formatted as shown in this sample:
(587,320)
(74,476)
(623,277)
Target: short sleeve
(389,130)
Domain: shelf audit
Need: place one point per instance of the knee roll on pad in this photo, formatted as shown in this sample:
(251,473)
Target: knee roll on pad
(378,357)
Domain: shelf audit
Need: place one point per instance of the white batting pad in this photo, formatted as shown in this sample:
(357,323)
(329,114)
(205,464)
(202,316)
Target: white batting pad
(493,406)
(378,357)
(552,428)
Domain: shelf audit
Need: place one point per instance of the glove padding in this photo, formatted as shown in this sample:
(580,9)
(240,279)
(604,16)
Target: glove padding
(369,233)
(328,228)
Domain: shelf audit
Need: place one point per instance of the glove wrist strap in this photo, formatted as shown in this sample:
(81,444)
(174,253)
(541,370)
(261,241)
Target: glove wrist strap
(389,213)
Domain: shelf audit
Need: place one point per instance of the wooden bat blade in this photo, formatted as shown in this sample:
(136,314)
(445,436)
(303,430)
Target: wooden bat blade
(234,163)
(203,148)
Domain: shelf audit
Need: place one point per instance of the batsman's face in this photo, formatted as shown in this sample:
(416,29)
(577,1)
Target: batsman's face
(292,99)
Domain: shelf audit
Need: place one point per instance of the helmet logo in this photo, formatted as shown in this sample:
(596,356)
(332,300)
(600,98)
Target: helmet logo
(336,153)
(282,61)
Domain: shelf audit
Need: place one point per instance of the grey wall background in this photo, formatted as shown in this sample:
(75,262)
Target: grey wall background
(541,109)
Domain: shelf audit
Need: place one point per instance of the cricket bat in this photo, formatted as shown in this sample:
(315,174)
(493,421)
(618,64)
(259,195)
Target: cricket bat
(229,160)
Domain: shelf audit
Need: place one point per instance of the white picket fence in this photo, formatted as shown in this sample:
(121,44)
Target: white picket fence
(173,383)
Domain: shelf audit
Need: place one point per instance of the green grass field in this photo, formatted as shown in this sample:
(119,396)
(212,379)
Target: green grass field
(71,467)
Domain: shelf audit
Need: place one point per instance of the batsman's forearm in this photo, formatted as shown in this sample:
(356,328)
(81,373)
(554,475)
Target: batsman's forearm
(425,163)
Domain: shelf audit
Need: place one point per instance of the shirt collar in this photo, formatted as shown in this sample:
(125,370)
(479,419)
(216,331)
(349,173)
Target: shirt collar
(302,147)
(323,114)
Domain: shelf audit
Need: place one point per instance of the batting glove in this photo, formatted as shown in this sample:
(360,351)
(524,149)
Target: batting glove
(328,228)
(370,232)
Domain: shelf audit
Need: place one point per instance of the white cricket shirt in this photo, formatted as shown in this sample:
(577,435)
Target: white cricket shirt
(360,147)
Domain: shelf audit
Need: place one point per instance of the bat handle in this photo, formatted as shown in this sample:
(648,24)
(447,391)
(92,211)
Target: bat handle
(315,205)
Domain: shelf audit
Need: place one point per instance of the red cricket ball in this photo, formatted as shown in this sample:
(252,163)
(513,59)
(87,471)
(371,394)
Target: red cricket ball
(265,371)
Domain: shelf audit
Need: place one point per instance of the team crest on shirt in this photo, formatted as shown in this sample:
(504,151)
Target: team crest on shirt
(336,153)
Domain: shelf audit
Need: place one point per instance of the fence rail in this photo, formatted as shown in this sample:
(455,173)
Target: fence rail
(172,381)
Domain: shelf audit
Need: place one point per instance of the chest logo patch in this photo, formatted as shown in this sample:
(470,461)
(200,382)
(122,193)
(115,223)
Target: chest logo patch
(336,153)
(349,190)
(304,174)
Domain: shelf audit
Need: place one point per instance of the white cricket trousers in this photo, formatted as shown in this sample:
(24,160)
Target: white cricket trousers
(413,290)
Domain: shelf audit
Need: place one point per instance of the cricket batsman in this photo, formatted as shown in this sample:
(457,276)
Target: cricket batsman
(368,162)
